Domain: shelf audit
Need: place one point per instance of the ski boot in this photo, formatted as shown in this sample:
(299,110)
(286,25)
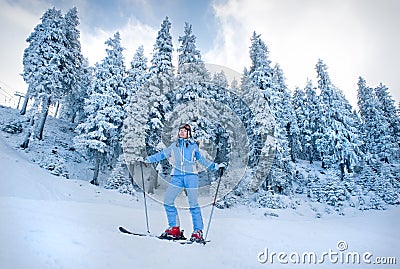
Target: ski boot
(173,233)
(197,236)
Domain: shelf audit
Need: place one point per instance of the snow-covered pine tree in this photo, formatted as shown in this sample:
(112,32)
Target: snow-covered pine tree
(191,68)
(161,81)
(300,108)
(72,105)
(191,81)
(100,135)
(262,122)
(288,115)
(261,76)
(271,83)
(387,106)
(281,175)
(46,62)
(378,142)
(137,74)
(137,111)
(338,142)
(260,72)
(312,101)
(119,179)
(219,79)
(305,104)
(80,74)
(314,188)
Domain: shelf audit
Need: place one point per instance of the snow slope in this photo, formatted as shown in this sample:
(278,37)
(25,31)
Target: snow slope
(53,222)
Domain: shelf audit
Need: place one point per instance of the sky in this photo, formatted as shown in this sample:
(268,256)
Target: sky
(353,37)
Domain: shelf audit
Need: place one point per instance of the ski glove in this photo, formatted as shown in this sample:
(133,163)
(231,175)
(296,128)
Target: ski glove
(140,159)
(220,165)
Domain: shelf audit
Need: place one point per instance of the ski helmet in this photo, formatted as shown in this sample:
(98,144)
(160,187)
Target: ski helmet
(187,127)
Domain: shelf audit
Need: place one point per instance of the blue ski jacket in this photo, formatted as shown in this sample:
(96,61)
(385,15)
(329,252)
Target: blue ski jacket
(183,153)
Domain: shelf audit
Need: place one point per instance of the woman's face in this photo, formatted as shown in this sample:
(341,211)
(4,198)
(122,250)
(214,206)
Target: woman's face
(183,133)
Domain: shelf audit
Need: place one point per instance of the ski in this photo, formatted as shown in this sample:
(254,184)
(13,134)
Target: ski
(180,241)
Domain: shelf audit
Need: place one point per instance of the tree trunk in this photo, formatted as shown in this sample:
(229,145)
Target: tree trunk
(25,144)
(153,181)
(57,107)
(24,105)
(96,170)
(73,117)
(45,112)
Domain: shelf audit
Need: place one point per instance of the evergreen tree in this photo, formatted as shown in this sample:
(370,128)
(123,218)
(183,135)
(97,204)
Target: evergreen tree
(100,135)
(137,111)
(313,116)
(388,109)
(219,79)
(270,82)
(137,75)
(378,142)
(118,179)
(72,105)
(281,175)
(47,62)
(287,114)
(260,71)
(338,141)
(79,74)
(160,82)
(191,68)
(191,81)
(301,109)
(262,123)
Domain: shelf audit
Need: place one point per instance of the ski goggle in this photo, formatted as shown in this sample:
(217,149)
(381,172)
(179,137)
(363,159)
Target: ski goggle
(185,126)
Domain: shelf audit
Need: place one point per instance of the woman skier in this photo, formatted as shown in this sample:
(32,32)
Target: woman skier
(184,152)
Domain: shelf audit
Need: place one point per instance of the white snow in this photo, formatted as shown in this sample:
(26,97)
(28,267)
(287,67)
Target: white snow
(53,222)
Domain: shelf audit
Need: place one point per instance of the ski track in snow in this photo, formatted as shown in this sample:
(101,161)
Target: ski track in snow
(52,222)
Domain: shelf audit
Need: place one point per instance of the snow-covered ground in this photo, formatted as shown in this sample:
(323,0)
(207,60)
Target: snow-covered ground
(53,222)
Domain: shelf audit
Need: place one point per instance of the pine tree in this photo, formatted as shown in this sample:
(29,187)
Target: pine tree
(72,105)
(287,116)
(378,142)
(100,135)
(79,73)
(270,82)
(161,81)
(313,116)
(137,111)
(262,122)
(219,79)
(260,70)
(338,141)
(388,109)
(137,75)
(191,68)
(119,180)
(47,62)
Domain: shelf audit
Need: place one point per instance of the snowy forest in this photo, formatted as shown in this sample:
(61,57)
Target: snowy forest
(324,150)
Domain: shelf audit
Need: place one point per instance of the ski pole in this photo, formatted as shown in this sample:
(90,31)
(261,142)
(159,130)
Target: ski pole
(144,198)
(214,202)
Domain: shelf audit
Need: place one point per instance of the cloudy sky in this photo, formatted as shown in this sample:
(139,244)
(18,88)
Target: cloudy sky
(353,37)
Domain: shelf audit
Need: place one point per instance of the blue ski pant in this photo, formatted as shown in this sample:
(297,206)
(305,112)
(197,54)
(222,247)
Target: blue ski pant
(176,185)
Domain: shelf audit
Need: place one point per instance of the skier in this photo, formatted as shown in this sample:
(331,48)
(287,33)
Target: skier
(184,152)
